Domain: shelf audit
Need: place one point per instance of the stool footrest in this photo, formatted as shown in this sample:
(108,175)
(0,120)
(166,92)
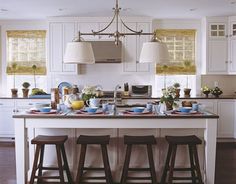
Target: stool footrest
(47,177)
(138,178)
(94,178)
(94,168)
(139,169)
(184,178)
(182,169)
(50,168)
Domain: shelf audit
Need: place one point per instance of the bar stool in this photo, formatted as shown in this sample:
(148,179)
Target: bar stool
(40,142)
(139,140)
(84,140)
(192,141)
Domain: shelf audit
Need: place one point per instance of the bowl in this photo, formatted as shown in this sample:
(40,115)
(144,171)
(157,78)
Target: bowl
(45,109)
(39,106)
(185,109)
(138,109)
(77,104)
(91,109)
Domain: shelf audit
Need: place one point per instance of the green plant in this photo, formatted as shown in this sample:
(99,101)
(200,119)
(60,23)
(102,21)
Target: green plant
(26,85)
(34,67)
(14,68)
(88,92)
(176,85)
(187,64)
(169,95)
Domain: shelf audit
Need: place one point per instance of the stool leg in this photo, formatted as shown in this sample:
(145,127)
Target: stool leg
(66,164)
(60,167)
(197,166)
(151,164)
(172,164)
(40,166)
(190,147)
(126,164)
(36,157)
(106,165)
(163,178)
(81,163)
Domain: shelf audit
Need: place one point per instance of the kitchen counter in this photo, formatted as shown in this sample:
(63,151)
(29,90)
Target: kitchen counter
(27,126)
(192,97)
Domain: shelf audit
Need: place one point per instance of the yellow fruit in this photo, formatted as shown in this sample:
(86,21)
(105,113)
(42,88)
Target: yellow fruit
(77,104)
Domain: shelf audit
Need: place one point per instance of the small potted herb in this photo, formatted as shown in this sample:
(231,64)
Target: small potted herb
(14,90)
(25,89)
(177,89)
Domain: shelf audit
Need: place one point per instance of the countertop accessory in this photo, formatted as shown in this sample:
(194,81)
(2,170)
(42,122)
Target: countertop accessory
(185,109)
(216,92)
(62,85)
(79,51)
(138,109)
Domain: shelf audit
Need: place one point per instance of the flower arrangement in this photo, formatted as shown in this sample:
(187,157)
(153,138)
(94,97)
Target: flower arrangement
(216,91)
(169,97)
(88,92)
(206,90)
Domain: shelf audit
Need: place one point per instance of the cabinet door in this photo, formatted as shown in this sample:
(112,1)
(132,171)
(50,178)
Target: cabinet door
(60,34)
(129,50)
(56,46)
(217,30)
(69,33)
(6,120)
(217,56)
(232,48)
(226,111)
(142,67)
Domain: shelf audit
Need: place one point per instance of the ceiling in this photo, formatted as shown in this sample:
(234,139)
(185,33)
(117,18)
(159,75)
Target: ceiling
(186,9)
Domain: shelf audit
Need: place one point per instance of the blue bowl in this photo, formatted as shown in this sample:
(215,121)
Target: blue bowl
(138,109)
(185,109)
(45,109)
(91,109)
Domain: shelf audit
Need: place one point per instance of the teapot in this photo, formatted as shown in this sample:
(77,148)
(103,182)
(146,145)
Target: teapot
(93,102)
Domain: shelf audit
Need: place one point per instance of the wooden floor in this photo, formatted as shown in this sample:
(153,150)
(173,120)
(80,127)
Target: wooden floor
(225,163)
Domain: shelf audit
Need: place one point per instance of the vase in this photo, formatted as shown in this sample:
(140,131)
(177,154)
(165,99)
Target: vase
(169,105)
(14,93)
(25,92)
(177,92)
(187,92)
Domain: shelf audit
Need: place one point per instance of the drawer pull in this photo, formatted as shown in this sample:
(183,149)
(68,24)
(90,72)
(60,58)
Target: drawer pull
(30,104)
(1,103)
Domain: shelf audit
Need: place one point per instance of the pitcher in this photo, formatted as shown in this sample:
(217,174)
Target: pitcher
(93,102)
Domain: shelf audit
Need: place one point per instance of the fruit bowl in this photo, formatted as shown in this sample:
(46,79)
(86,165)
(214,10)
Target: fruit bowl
(138,109)
(185,109)
(216,92)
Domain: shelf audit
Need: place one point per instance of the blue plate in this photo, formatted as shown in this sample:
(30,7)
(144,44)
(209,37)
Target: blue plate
(63,84)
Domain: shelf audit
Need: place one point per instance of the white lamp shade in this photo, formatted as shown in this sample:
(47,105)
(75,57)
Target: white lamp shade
(79,53)
(154,52)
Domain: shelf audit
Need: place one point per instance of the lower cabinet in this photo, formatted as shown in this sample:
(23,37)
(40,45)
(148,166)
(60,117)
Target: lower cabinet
(226,122)
(6,120)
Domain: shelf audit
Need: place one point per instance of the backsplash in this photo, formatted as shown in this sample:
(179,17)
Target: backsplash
(226,82)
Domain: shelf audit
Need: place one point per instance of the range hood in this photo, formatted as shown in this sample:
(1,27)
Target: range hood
(107,51)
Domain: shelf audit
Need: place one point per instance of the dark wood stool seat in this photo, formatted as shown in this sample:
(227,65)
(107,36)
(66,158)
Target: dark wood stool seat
(191,141)
(40,142)
(87,139)
(139,140)
(103,141)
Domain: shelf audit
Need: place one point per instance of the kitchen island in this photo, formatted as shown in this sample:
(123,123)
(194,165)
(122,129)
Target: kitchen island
(27,126)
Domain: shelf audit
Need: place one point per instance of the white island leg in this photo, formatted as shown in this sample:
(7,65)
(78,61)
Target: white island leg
(21,151)
(210,149)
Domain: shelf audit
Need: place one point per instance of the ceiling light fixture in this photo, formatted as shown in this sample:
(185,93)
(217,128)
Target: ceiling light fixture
(79,51)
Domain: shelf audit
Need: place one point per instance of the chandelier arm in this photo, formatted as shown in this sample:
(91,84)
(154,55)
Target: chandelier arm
(96,32)
(137,32)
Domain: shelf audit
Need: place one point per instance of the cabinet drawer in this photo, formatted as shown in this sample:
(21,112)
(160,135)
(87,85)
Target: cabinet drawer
(6,103)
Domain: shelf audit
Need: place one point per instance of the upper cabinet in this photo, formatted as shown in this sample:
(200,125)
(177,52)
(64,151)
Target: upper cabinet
(219,44)
(59,34)
(63,30)
(132,46)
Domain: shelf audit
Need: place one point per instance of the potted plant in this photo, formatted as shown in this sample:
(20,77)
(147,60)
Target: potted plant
(187,90)
(206,90)
(87,93)
(34,67)
(14,90)
(216,92)
(25,89)
(169,97)
(177,89)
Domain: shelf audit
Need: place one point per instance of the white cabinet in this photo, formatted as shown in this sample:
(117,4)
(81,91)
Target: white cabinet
(220,45)
(226,112)
(6,120)
(132,46)
(59,35)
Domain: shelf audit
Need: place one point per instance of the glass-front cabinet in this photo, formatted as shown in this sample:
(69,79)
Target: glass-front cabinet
(217,30)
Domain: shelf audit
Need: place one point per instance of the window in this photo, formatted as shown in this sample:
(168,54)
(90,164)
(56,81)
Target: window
(181,47)
(25,49)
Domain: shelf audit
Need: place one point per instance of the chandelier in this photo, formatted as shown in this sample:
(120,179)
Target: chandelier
(81,52)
